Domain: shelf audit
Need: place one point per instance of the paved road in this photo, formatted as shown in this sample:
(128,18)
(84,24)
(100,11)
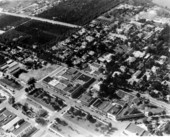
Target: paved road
(71,102)
(56,71)
(42,19)
(154,101)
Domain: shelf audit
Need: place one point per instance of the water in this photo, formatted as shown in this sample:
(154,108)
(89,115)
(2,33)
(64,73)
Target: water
(165,3)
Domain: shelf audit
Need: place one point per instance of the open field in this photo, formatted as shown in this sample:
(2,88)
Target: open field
(79,12)
(38,74)
(88,122)
(67,129)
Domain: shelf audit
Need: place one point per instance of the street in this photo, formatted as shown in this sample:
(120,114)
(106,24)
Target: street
(41,19)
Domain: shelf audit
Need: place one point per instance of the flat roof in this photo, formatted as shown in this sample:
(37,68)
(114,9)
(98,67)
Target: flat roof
(115,109)
(22,127)
(54,82)
(47,79)
(13,64)
(6,116)
(86,98)
(11,123)
(136,129)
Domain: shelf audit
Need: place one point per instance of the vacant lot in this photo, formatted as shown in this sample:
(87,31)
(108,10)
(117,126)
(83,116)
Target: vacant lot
(38,74)
(7,21)
(79,12)
(67,129)
(88,122)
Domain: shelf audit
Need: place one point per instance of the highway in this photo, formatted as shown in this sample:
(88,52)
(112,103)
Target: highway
(41,19)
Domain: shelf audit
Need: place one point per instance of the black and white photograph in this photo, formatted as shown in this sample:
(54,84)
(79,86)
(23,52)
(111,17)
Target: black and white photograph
(84,68)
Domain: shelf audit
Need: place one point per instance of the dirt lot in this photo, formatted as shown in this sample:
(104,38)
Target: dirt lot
(38,74)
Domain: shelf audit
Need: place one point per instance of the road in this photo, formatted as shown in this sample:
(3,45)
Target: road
(73,102)
(153,101)
(41,19)
(56,71)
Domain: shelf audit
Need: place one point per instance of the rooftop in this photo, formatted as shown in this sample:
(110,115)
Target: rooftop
(87,99)
(6,116)
(136,130)
(21,128)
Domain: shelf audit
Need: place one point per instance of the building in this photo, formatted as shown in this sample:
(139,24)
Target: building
(22,128)
(86,99)
(6,116)
(133,130)
(14,124)
(102,106)
(10,124)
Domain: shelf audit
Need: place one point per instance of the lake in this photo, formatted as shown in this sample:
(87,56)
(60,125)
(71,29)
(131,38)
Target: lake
(162,2)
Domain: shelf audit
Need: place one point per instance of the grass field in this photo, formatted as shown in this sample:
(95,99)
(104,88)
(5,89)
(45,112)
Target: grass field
(79,12)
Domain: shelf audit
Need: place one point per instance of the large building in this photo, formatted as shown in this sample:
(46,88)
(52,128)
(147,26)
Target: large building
(14,125)
(133,130)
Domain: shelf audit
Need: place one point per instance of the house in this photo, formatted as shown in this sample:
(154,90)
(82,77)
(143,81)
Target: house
(133,130)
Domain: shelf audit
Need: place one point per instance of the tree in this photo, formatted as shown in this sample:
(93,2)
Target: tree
(31,81)
(150,114)
(164,112)
(41,121)
(91,119)
(138,95)
(145,121)
(43,113)
(11,100)
(25,107)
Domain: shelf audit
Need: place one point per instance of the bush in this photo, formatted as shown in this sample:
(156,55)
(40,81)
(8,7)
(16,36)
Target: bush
(41,121)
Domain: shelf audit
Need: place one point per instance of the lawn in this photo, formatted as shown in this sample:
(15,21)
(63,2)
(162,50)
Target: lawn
(79,12)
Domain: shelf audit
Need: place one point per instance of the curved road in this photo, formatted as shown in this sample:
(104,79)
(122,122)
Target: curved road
(42,19)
